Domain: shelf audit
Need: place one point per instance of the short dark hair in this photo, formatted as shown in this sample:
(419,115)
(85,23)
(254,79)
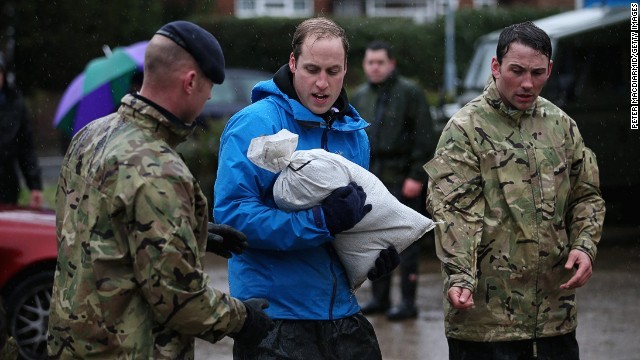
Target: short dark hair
(527,34)
(320,27)
(381,45)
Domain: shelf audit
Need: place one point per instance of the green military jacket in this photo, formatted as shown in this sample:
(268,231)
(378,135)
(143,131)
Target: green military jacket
(516,190)
(401,131)
(131,233)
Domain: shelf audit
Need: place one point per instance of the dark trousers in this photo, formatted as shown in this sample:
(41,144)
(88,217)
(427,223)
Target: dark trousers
(409,259)
(351,338)
(562,347)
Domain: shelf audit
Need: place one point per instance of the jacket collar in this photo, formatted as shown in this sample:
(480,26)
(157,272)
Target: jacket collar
(342,115)
(492,96)
(387,83)
(155,118)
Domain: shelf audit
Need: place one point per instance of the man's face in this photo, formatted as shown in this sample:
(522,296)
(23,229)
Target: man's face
(521,76)
(319,72)
(377,65)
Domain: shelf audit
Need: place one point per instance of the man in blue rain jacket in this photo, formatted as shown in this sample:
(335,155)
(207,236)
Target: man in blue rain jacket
(290,259)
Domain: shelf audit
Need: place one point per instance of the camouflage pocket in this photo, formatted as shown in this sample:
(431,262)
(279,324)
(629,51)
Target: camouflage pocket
(444,177)
(590,173)
(554,176)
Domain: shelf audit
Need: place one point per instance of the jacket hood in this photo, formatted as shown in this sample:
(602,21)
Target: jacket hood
(342,115)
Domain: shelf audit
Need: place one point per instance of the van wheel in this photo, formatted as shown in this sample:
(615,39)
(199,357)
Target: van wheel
(28,314)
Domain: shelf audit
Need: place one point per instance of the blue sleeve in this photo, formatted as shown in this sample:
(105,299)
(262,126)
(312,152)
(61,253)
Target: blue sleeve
(243,191)
(365,149)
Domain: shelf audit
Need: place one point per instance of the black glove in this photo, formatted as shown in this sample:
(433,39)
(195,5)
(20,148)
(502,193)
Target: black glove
(345,207)
(257,324)
(385,263)
(224,240)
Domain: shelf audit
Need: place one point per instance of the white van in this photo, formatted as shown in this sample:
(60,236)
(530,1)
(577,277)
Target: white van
(591,82)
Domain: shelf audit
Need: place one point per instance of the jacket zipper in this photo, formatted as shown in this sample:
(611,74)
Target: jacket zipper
(325,134)
(534,345)
(334,289)
(332,255)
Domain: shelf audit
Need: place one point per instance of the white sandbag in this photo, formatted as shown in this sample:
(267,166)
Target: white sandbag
(308,176)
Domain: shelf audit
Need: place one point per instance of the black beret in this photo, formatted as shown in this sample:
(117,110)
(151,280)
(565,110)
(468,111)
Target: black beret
(198,42)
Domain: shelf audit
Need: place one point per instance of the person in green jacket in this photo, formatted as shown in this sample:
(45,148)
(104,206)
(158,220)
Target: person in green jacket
(518,193)
(402,140)
(132,222)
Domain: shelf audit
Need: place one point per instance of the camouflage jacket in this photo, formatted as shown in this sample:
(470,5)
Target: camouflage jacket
(131,232)
(516,190)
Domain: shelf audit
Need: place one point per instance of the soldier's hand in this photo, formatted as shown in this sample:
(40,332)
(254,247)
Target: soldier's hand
(411,188)
(224,240)
(582,262)
(257,324)
(460,298)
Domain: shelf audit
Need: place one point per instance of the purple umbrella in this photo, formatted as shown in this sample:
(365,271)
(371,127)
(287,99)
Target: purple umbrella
(98,90)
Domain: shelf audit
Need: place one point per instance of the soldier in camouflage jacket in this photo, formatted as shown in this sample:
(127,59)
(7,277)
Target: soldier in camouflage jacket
(132,223)
(518,192)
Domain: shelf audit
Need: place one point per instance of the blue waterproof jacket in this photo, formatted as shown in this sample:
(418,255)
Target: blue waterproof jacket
(290,259)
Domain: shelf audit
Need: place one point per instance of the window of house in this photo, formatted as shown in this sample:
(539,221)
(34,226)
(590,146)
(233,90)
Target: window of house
(419,10)
(286,8)
(478,4)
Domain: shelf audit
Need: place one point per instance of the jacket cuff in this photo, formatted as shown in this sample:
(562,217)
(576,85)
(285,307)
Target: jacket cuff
(461,280)
(587,246)
(242,311)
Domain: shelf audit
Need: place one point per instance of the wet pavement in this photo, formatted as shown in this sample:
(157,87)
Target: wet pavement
(608,316)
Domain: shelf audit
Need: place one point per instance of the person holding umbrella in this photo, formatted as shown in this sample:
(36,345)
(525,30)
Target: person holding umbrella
(16,146)
(132,222)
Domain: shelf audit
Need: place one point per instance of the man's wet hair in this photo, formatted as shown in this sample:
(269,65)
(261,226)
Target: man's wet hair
(527,34)
(381,45)
(320,27)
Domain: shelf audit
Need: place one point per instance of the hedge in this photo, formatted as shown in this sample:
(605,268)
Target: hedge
(55,40)
(265,43)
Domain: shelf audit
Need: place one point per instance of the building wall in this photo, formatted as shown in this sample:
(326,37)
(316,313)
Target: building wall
(327,7)
(542,4)
(225,7)
(324,7)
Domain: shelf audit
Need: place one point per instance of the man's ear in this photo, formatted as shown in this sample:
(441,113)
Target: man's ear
(549,69)
(292,63)
(495,68)
(189,81)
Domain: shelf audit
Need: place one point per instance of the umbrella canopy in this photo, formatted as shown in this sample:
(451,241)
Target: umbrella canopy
(98,90)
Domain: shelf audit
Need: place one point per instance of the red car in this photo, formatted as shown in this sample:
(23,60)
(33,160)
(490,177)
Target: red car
(28,256)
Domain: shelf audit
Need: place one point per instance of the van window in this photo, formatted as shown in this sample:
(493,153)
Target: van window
(590,82)
(590,71)
(480,67)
